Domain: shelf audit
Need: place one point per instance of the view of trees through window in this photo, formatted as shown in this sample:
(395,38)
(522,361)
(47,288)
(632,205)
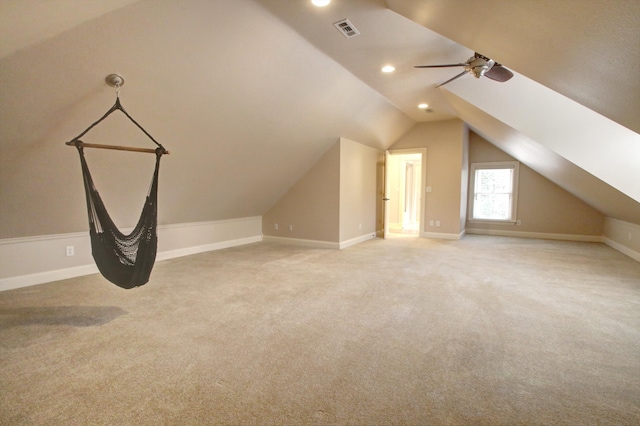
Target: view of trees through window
(493,189)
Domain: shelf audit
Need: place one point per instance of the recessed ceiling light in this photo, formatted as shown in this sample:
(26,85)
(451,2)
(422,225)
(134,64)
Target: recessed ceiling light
(388,68)
(423,106)
(320,3)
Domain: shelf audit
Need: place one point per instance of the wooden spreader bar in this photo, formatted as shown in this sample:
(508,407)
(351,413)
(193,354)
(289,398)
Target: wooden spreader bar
(78,143)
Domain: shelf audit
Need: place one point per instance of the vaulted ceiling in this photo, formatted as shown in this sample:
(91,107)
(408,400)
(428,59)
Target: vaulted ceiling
(247,94)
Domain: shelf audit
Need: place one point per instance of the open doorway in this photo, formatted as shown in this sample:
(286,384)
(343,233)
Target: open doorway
(404,185)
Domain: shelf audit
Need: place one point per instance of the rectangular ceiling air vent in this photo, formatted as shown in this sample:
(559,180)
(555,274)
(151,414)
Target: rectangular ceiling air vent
(346,28)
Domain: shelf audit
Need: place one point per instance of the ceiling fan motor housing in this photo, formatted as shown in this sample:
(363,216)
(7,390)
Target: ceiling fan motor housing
(479,65)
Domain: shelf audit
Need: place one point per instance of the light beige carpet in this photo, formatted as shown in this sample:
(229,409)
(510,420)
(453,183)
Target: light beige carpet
(485,330)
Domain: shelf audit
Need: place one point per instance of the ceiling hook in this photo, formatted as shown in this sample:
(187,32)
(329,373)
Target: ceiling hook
(115,80)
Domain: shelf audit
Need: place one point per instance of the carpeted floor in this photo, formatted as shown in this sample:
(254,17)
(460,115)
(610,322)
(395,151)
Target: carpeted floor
(485,330)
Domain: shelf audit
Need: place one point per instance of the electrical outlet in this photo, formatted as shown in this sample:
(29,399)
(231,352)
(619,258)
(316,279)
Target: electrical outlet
(437,223)
(70,251)
(360,226)
(430,223)
(275,226)
(518,222)
(290,228)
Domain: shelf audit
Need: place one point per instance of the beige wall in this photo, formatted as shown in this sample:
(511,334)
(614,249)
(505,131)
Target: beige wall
(358,166)
(464,179)
(335,201)
(444,141)
(543,207)
(311,206)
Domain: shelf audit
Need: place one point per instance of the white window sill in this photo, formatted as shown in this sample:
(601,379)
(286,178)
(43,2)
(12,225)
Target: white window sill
(493,221)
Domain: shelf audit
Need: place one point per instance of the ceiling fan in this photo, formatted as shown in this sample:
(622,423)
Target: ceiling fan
(477,65)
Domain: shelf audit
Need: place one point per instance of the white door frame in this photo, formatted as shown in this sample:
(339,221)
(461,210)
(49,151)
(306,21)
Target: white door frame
(423,185)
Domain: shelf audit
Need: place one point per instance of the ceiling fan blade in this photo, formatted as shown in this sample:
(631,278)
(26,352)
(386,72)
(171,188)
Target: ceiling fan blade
(451,79)
(498,73)
(440,66)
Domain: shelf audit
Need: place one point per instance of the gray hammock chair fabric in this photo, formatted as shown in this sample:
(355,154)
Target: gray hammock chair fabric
(125,260)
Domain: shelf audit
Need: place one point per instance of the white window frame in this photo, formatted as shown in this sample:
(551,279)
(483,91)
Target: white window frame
(515,166)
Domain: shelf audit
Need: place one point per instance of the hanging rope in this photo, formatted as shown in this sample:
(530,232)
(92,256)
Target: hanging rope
(117,106)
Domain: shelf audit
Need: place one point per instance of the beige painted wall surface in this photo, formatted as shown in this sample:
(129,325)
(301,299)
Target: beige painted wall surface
(311,205)
(358,165)
(444,141)
(464,179)
(543,206)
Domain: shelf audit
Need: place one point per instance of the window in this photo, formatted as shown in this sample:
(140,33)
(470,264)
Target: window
(495,191)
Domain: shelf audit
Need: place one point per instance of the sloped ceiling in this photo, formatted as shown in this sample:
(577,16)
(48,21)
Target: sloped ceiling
(586,50)
(25,23)
(248,94)
(542,38)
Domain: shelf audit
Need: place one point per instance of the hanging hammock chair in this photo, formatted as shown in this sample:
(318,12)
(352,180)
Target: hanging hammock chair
(125,260)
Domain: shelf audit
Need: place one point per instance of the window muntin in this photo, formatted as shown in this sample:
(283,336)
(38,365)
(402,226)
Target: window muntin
(494,195)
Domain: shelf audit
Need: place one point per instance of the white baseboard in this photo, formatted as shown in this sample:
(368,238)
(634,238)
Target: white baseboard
(539,235)
(442,235)
(357,240)
(46,277)
(302,242)
(321,244)
(564,237)
(622,249)
(37,260)
(188,251)
(622,236)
